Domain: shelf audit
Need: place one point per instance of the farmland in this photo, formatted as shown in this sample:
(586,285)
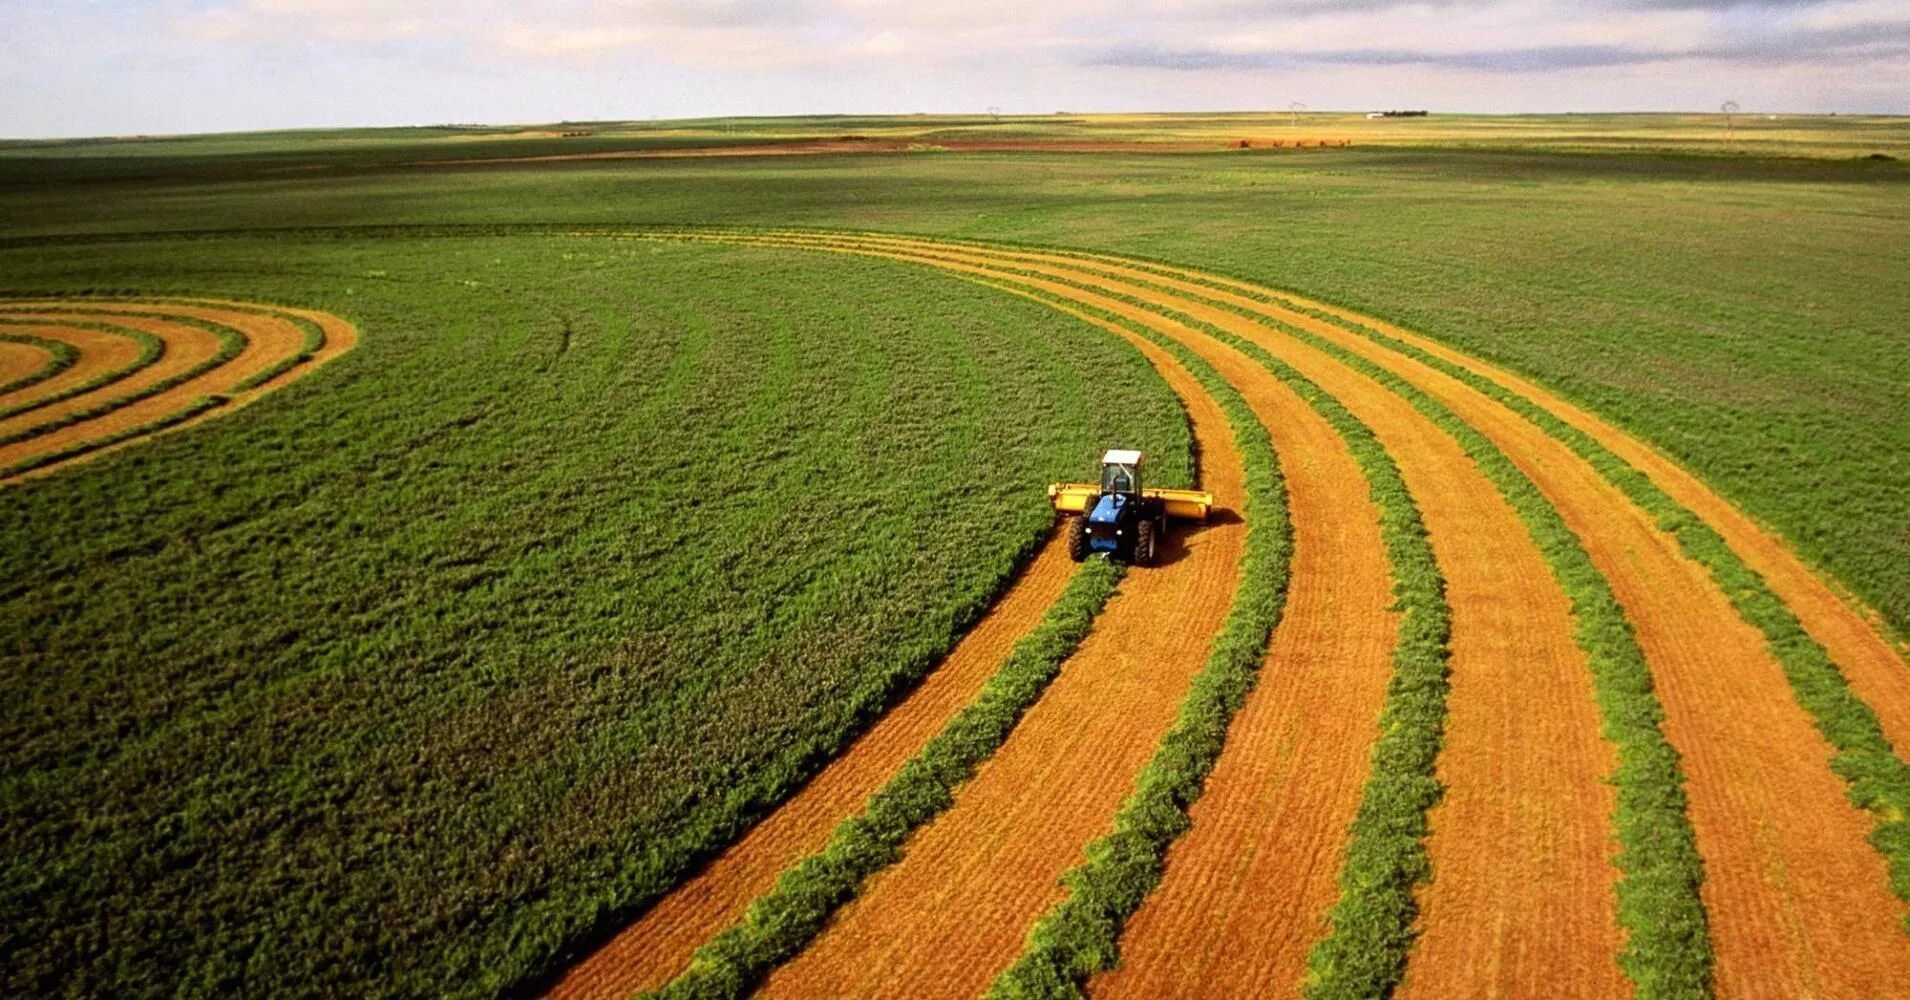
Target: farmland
(659,593)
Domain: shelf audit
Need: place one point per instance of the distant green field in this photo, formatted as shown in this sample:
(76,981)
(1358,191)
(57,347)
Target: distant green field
(417,658)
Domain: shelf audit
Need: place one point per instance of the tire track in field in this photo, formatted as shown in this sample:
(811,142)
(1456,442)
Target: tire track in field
(951,914)
(217,356)
(1524,760)
(1799,901)
(658,945)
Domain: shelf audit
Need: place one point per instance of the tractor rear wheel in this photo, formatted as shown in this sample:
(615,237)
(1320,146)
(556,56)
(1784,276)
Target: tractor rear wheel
(1078,538)
(1144,544)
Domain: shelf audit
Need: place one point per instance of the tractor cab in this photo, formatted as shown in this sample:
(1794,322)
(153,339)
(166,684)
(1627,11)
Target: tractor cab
(1121,472)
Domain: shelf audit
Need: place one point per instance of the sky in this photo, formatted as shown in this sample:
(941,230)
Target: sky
(123,67)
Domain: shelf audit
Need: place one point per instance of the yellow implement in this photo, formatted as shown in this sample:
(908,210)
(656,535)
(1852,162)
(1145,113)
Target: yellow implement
(1073,498)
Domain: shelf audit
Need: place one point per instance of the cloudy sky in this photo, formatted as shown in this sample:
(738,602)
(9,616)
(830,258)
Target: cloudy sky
(96,67)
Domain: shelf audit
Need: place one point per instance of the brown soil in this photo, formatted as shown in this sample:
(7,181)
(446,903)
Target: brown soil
(951,914)
(658,945)
(186,346)
(1798,899)
(270,339)
(1876,670)
(1522,758)
(99,353)
(19,360)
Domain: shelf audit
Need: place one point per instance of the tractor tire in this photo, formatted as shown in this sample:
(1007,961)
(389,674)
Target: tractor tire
(1144,540)
(1077,538)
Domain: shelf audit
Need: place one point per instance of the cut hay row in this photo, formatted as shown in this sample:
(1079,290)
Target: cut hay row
(1599,584)
(144,366)
(1791,900)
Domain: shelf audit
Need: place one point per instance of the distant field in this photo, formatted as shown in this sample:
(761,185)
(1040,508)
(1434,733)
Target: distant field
(652,483)
(1813,136)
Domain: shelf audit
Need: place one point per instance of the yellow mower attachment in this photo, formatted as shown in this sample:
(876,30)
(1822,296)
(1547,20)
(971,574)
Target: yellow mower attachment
(1191,505)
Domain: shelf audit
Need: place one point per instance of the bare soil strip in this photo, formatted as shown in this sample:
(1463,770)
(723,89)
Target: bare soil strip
(658,945)
(18,360)
(952,913)
(1798,899)
(271,340)
(186,347)
(1875,669)
(100,353)
(1522,845)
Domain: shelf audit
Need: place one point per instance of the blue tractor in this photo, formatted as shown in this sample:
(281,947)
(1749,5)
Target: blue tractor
(1120,519)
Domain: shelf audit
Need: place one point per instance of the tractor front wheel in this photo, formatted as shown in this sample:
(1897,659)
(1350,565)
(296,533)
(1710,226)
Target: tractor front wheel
(1078,539)
(1144,544)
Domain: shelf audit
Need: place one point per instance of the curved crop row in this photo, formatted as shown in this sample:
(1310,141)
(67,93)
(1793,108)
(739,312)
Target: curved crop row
(1879,778)
(257,347)
(1668,951)
(151,349)
(60,357)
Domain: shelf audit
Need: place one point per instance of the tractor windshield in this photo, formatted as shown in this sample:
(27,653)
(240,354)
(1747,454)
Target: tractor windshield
(1118,478)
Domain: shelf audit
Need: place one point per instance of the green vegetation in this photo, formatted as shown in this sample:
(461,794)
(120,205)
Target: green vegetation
(1079,935)
(198,407)
(60,356)
(783,922)
(422,672)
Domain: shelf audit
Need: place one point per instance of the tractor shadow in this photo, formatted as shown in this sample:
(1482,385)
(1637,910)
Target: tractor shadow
(1173,548)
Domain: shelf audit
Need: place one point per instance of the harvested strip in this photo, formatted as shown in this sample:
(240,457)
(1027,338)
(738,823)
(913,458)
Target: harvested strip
(1528,751)
(788,918)
(1875,669)
(657,946)
(1766,871)
(1799,903)
(215,355)
(106,354)
(24,361)
(1668,952)
(952,913)
(36,360)
(188,348)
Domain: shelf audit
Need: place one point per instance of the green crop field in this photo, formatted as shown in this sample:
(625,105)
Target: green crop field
(425,673)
